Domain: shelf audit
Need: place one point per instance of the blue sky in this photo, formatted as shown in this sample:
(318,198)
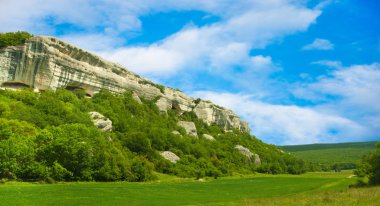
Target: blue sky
(298,71)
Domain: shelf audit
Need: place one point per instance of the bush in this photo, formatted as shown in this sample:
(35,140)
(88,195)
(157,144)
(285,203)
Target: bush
(370,166)
(13,38)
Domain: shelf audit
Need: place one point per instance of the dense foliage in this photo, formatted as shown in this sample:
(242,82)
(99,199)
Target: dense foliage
(50,136)
(13,38)
(370,166)
(327,157)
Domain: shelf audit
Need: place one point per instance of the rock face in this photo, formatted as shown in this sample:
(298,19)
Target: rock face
(207,136)
(47,63)
(214,114)
(189,127)
(170,156)
(246,152)
(101,121)
(136,98)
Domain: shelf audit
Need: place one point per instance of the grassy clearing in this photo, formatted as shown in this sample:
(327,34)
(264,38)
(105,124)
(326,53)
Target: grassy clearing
(174,191)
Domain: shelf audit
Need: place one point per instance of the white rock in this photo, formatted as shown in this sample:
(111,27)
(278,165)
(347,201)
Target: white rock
(101,121)
(46,63)
(257,159)
(244,151)
(189,127)
(136,98)
(207,136)
(170,156)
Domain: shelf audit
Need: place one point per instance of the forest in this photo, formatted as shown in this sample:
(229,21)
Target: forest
(50,136)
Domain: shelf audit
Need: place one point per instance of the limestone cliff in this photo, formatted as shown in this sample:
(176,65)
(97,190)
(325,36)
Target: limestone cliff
(47,63)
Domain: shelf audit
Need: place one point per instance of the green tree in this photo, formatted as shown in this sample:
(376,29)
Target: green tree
(370,166)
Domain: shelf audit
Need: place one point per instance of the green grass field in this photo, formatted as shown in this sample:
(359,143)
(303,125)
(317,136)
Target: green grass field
(331,153)
(251,190)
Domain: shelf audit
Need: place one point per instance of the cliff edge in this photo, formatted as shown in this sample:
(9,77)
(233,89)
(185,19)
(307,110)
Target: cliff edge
(46,63)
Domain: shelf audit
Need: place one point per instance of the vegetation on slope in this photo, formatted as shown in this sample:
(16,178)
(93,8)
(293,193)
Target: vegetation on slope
(50,136)
(13,38)
(331,156)
(370,166)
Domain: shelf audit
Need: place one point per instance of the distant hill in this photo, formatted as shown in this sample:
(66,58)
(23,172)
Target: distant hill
(345,155)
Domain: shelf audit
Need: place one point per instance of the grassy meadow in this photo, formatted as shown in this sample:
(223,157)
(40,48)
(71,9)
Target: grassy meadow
(256,189)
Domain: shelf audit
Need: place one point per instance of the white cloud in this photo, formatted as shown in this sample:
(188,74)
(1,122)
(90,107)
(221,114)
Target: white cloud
(351,91)
(93,42)
(357,86)
(220,45)
(288,124)
(319,44)
(243,25)
(329,63)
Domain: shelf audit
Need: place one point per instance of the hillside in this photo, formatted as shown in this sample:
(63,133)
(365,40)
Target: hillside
(68,115)
(343,155)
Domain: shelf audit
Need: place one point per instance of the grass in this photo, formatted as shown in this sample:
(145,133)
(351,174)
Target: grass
(331,153)
(247,190)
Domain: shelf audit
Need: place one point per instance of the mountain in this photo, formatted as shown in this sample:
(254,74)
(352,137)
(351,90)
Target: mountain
(68,115)
(46,63)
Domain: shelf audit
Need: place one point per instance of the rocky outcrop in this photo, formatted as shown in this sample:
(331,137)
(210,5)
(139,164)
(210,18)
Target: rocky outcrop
(189,127)
(47,63)
(136,98)
(101,121)
(214,114)
(246,152)
(170,156)
(207,136)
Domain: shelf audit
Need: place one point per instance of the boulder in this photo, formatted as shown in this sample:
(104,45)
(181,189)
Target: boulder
(189,127)
(244,151)
(207,136)
(163,104)
(101,121)
(170,156)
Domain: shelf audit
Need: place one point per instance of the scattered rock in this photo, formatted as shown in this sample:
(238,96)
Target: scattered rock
(189,127)
(101,121)
(170,156)
(244,151)
(163,104)
(207,136)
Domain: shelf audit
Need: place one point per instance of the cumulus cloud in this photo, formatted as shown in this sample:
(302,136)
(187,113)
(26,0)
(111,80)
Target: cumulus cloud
(356,85)
(243,26)
(287,124)
(319,44)
(220,45)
